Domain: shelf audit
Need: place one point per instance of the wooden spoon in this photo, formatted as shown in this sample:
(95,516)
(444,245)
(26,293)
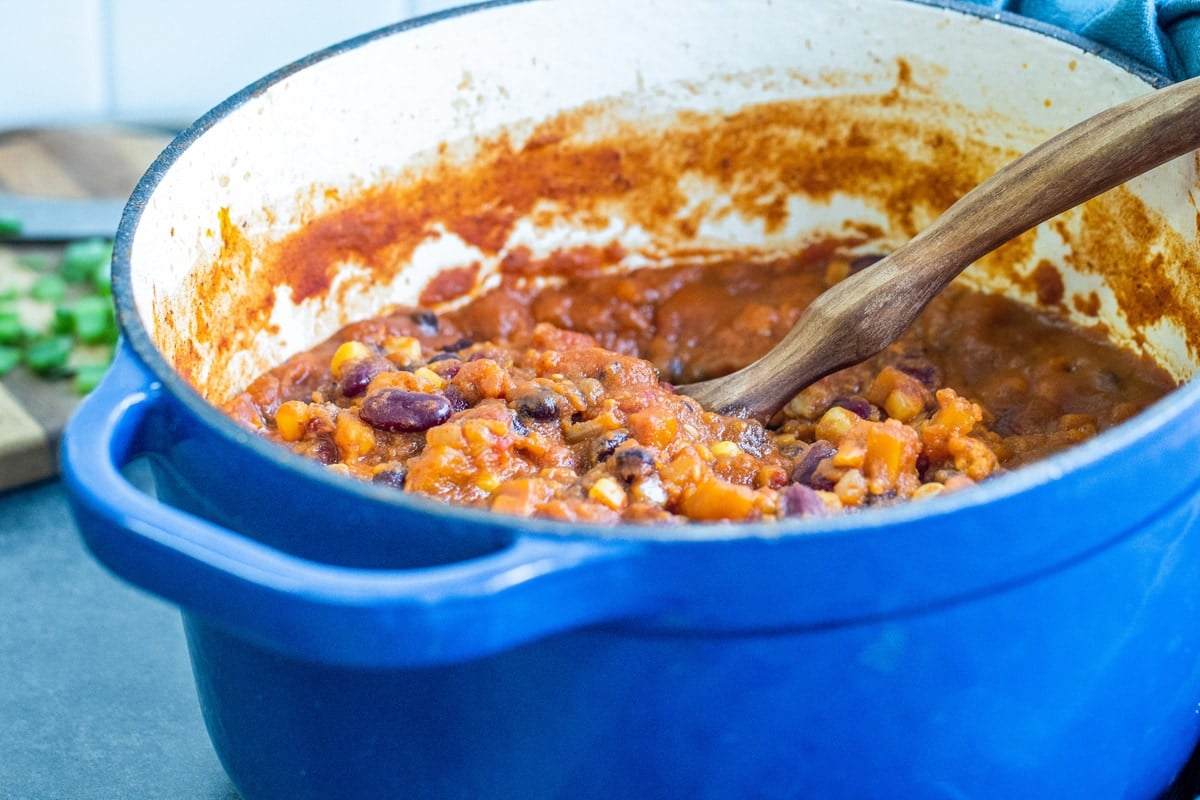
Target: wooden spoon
(867,311)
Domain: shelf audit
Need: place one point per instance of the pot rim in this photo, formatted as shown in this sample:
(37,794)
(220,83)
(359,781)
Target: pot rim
(1045,471)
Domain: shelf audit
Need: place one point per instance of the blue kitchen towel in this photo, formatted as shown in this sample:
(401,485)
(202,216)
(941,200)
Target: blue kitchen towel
(1162,34)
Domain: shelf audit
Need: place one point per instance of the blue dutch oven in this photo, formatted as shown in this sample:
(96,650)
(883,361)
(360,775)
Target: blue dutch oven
(1035,636)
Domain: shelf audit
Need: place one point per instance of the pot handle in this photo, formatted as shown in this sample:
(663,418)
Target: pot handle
(536,587)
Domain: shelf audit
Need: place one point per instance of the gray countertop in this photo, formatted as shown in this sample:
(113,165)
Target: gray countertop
(96,693)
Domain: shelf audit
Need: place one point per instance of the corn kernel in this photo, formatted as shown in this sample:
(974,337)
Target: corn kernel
(928,490)
(851,488)
(608,492)
(291,419)
(903,404)
(402,350)
(353,437)
(428,380)
(835,423)
(808,404)
(725,449)
(488,481)
(831,501)
(347,354)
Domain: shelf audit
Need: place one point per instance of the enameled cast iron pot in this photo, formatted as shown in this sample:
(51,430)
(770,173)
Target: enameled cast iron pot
(1036,636)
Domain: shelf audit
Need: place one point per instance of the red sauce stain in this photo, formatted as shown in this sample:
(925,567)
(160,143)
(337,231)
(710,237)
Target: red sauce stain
(450,284)
(1088,304)
(593,164)
(1048,284)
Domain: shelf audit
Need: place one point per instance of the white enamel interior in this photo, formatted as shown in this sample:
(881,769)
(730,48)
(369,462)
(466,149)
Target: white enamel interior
(360,115)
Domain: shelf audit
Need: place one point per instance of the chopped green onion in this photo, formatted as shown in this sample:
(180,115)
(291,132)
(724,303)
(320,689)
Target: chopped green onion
(11,329)
(48,355)
(102,278)
(9,358)
(93,319)
(59,321)
(82,258)
(48,288)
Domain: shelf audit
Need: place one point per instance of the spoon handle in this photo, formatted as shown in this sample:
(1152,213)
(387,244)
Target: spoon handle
(867,311)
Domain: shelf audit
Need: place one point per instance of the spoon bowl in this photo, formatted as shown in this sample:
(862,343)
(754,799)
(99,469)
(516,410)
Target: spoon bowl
(870,309)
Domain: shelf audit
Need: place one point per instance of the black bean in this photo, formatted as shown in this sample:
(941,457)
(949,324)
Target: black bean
(799,500)
(426,319)
(359,374)
(604,447)
(394,477)
(631,462)
(442,357)
(461,344)
(539,404)
(401,410)
(517,425)
(806,467)
(324,450)
(859,406)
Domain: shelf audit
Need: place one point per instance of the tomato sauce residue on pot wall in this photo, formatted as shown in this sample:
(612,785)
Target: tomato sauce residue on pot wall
(587,168)
(903,152)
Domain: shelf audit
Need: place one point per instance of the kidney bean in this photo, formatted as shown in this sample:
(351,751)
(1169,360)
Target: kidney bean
(446,365)
(455,398)
(359,374)
(401,410)
(921,369)
(324,450)
(859,406)
(799,500)
(817,452)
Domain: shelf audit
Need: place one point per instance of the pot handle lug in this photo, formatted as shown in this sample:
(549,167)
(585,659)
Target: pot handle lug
(536,587)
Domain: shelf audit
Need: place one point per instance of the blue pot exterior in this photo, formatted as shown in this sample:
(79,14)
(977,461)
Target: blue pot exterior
(1080,683)
(931,655)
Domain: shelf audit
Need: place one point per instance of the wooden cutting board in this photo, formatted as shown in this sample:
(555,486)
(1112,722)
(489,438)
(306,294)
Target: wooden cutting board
(69,163)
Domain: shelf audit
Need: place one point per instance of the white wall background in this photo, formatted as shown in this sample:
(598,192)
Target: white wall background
(162,61)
